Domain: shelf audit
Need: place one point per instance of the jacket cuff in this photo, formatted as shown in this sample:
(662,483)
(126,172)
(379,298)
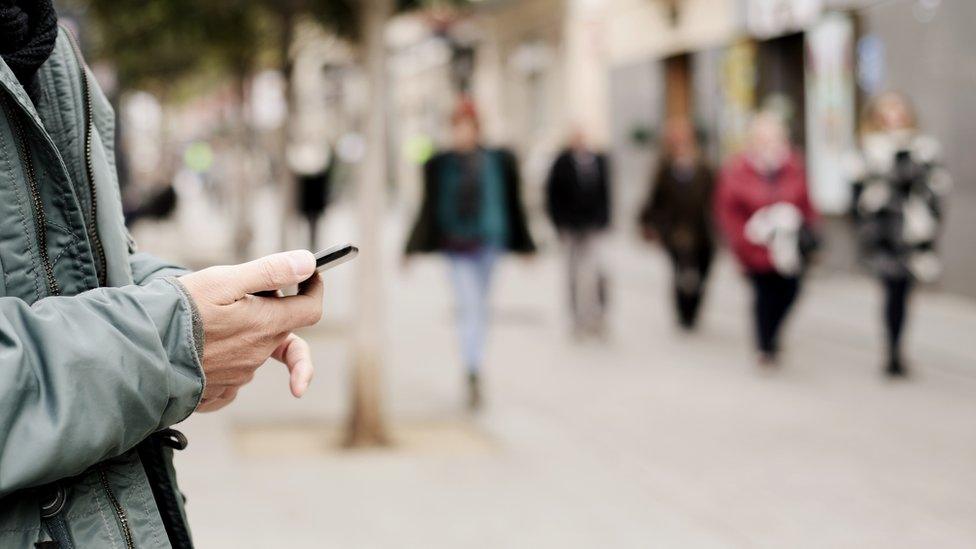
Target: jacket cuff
(198,333)
(185,349)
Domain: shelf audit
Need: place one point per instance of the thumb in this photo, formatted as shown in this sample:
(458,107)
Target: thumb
(295,353)
(271,272)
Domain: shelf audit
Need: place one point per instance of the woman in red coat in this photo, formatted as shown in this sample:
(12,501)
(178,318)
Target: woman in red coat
(766,216)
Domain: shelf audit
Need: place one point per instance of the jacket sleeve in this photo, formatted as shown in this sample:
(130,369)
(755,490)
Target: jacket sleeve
(606,196)
(521,238)
(552,192)
(650,216)
(810,214)
(731,217)
(423,235)
(87,377)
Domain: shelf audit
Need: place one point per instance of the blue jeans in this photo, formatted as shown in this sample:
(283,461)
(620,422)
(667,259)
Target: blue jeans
(471,276)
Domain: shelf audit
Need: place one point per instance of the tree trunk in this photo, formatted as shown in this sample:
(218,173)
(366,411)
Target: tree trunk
(366,426)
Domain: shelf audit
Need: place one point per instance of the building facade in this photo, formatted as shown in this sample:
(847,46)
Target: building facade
(619,68)
(817,62)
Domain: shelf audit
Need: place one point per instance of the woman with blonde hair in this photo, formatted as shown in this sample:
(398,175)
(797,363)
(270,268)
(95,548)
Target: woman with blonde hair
(898,187)
(765,214)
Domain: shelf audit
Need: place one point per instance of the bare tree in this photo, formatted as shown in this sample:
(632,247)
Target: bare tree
(366,425)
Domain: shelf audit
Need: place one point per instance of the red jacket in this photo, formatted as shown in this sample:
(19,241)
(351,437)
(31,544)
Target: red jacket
(742,190)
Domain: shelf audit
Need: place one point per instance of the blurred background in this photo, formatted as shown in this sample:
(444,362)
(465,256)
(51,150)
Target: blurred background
(608,390)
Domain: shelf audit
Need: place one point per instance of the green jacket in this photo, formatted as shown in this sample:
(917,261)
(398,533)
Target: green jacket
(99,345)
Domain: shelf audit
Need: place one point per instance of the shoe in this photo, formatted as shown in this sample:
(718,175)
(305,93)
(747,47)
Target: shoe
(474,392)
(896,369)
(600,331)
(687,325)
(767,361)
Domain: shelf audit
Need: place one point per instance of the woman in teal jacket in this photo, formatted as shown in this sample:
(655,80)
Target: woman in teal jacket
(472,212)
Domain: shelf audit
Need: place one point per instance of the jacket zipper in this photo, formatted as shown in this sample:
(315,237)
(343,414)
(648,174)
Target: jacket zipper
(119,512)
(40,219)
(101,266)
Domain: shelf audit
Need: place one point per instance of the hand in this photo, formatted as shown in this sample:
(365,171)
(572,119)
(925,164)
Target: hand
(242,330)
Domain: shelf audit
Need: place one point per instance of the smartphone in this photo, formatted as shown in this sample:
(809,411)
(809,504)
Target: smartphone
(334,256)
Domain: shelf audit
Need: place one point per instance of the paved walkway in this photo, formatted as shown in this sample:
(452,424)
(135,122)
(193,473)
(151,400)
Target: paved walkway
(654,439)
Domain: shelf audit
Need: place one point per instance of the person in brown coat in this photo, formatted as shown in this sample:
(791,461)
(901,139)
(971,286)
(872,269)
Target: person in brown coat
(678,214)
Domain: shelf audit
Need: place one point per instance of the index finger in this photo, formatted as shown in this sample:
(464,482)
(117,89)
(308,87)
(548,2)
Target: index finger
(284,314)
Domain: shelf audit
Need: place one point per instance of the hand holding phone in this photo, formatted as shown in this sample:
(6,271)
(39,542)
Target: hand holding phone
(243,328)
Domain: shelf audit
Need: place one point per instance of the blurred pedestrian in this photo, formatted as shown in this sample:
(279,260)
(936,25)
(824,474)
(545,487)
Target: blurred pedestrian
(472,212)
(160,204)
(678,212)
(767,219)
(314,171)
(578,202)
(899,185)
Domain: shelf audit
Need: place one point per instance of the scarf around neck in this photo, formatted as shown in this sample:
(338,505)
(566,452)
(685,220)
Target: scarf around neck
(28,31)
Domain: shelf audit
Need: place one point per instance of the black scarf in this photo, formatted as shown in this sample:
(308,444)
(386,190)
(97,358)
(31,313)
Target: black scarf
(28,30)
(469,186)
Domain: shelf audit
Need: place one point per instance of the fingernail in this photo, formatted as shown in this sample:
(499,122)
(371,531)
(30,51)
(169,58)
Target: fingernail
(302,263)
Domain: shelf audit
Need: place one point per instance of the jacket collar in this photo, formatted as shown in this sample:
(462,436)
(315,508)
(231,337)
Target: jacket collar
(792,164)
(11,85)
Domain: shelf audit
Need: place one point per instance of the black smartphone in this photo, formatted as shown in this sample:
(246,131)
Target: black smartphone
(334,256)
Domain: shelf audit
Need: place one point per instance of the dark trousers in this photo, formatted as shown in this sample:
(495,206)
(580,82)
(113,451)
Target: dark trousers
(690,276)
(896,290)
(774,297)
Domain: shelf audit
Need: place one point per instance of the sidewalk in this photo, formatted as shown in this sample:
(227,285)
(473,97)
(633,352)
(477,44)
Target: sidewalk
(655,439)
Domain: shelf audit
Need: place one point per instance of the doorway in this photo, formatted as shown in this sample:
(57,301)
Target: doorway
(781,85)
(677,86)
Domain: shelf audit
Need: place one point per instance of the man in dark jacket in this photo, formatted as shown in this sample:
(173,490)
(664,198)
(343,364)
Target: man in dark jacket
(578,202)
